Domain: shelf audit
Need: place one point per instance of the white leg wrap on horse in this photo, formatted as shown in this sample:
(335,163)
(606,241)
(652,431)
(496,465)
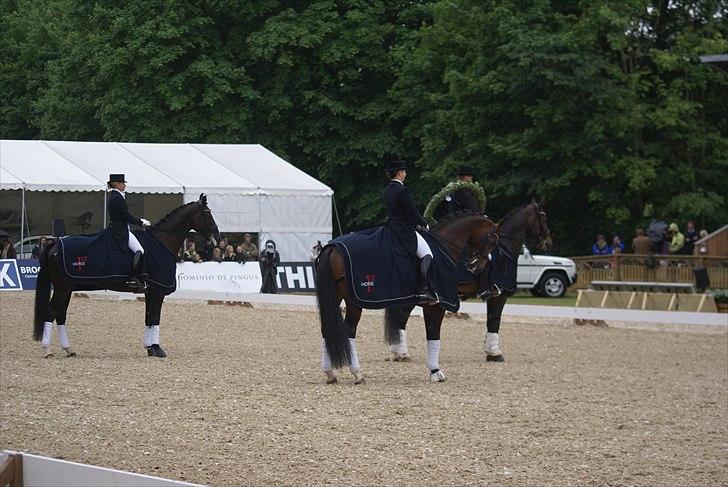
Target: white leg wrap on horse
(134,244)
(402,349)
(354,365)
(492,344)
(63,337)
(155,335)
(148,336)
(325,357)
(47,333)
(433,354)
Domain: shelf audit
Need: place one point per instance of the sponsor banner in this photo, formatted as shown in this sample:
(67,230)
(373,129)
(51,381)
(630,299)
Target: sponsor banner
(228,277)
(9,275)
(295,277)
(28,269)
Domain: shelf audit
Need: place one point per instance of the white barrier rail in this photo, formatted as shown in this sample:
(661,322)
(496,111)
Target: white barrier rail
(41,471)
(560,312)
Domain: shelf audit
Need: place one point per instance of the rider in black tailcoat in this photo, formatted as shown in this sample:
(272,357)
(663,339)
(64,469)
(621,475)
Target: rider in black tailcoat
(463,199)
(403,219)
(120,219)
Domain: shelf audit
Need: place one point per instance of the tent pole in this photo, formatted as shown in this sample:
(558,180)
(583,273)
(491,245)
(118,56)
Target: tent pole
(338,220)
(22,223)
(104,193)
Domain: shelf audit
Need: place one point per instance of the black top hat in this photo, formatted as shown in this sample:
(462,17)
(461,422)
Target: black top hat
(466,171)
(116,178)
(394,166)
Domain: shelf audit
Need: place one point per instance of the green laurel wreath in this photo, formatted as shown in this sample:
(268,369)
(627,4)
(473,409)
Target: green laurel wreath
(474,188)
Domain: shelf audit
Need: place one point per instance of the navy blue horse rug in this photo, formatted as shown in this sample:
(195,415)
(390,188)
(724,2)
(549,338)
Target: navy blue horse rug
(95,261)
(378,277)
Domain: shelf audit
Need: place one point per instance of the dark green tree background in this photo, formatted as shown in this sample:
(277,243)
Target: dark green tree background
(602,106)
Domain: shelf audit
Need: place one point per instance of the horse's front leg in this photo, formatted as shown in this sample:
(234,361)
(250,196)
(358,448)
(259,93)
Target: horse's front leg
(353,315)
(433,323)
(59,309)
(492,339)
(153,315)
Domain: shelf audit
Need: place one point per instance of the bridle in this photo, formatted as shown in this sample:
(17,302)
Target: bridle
(185,234)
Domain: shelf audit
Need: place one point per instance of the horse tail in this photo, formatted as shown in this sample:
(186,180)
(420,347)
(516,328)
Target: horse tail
(333,327)
(395,319)
(42,294)
(391,326)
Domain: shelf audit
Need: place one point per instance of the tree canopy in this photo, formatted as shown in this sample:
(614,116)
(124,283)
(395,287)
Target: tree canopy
(601,107)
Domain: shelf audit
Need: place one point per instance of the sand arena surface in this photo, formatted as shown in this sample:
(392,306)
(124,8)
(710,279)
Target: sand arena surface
(241,401)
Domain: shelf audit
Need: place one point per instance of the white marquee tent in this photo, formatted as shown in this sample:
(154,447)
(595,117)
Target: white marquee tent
(249,188)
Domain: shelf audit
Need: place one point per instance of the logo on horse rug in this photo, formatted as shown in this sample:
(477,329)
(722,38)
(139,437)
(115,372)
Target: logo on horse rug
(377,276)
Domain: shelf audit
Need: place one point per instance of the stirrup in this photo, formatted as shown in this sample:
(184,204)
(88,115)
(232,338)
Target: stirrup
(490,293)
(137,284)
(426,297)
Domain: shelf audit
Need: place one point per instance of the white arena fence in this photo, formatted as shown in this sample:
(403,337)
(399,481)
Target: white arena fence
(38,471)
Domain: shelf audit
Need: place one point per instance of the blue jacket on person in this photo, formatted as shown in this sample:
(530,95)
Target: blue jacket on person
(606,250)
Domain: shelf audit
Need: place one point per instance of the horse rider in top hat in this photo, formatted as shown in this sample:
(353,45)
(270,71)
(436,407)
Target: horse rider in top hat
(121,218)
(463,199)
(403,219)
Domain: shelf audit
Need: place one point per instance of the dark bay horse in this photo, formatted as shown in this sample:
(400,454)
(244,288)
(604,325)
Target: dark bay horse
(466,232)
(526,223)
(171,231)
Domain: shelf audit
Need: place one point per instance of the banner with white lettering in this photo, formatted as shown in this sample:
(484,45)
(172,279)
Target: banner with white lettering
(296,277)
(9,276)
(229,277)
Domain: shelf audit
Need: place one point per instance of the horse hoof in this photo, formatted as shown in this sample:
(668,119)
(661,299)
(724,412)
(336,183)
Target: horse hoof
(332,380)
(70,353)
(48,354)
(438,376)
(406,358)
(155,351)
(494,358)
(397,358)
(360,381)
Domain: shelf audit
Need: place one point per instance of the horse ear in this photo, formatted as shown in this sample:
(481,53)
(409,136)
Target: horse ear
(203,199)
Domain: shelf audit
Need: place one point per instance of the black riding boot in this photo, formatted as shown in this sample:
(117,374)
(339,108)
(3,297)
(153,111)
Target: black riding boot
(424,294)
(138,274)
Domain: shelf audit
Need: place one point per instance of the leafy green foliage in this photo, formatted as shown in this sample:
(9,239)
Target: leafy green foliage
(602,107)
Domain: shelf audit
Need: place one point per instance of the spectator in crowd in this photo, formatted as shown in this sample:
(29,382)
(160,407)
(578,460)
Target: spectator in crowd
(617,245)
(39,247)
(691,236)
(222,245)
(316,250)
(239,254)
(216,255)
(189,255)
(197,258)
(8,251)
(641,244)
(600,247)
(269,260)
(250,250)
(207,248)
(229,255)
(677,239)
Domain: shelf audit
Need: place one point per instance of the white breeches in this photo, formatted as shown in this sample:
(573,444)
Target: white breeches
(422,248)
(134,244)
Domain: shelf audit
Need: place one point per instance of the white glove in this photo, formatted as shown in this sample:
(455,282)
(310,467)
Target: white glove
(146,222)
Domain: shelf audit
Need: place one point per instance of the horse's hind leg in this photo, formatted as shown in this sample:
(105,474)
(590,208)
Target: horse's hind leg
(59,308)
(154,300)
(353,315)
(433,323)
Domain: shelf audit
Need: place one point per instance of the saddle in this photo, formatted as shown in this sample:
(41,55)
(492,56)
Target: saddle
(379,274)
(98,261)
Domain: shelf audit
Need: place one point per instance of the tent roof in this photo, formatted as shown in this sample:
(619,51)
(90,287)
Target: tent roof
(42,169)
(8,181)
(102,158)
(191,168)
(266,170)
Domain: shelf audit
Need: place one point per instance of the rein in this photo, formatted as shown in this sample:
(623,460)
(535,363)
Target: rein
(461,249)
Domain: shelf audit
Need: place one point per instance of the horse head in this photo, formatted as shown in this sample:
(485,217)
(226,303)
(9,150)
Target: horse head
(537,227)
(201,220)
(471,233)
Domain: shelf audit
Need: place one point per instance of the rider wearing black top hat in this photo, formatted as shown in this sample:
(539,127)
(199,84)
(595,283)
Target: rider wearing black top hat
(403,219)
(463,199)
(120,219)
